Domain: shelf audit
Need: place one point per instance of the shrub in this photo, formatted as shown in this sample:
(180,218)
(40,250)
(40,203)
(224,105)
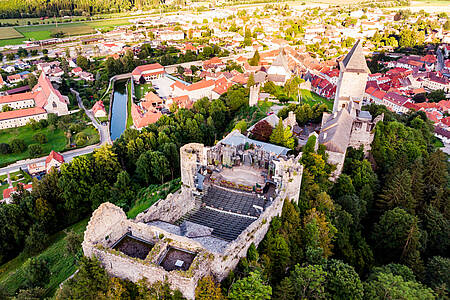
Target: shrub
(5,148)
(35,150)
(18,145)
(40,138)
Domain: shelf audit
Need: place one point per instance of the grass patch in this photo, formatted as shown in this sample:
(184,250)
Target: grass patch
(61,265)
(56,140)
(251,115)
(9,33)
(129,103)
(108,24)
(12,42)
(148,196)
(312,98)
(142,89)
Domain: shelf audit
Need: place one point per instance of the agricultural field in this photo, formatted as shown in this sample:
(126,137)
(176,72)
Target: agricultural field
(9,33)
(107,24)
(61,265)
(42,32)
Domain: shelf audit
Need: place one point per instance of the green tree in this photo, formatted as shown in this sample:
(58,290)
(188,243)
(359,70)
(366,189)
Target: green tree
(18,145)
(250,287)
(437,275)
(309,282)
(285,290)
(390,286)
(241,126)
(342,281)
(73,242)
(398,193)
(251,80)
(37,272)
(397,236)
(254,61)
(83,62)
(40,138)
(106,163)
(207,289)
(35,150)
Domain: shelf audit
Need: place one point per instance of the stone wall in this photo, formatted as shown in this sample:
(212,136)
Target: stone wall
(109,223)
(170,209)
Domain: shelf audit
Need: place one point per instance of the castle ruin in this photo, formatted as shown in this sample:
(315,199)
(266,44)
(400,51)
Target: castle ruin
(230,192)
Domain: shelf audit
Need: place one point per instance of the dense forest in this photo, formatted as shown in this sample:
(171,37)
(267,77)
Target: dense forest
(51,8)
(379,232)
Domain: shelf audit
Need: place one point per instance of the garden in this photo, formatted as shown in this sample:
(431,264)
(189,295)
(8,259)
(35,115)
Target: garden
(37,139)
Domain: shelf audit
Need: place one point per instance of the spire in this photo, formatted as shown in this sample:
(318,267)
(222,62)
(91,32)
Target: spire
(355,60)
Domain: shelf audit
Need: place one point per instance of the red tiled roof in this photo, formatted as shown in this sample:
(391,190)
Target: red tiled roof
(98,106)
(17,97)
(54,155)
(145,68)
(152,98)
(21,113)
(7,192)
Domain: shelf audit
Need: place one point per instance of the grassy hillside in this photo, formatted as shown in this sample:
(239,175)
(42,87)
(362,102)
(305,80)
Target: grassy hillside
(61,265)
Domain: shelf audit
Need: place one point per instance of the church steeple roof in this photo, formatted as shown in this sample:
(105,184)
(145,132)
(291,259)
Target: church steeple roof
(355,60)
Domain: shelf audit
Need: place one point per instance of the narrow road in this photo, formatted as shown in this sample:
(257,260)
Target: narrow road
(102,129)
(68,155)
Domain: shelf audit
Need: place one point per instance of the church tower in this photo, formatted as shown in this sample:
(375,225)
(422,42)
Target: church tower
(353,73)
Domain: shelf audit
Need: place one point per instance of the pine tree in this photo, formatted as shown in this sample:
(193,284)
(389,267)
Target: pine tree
(285,290)
(398,193)
(277,135)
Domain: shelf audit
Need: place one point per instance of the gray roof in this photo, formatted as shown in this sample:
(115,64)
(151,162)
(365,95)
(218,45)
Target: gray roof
(235,138)
(335,133)
(281,61)
(364,114)
(355,60)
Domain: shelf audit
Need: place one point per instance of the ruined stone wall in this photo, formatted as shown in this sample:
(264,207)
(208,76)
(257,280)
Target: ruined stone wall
(110,221)
(170,209)
(337,159)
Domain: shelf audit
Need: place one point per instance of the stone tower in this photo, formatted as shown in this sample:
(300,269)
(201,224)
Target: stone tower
(353,73)
(254,95)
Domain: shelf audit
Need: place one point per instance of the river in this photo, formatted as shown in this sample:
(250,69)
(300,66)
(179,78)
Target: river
(119,110)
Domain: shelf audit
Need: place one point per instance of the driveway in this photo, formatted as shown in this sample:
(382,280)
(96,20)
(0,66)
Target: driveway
(162,86)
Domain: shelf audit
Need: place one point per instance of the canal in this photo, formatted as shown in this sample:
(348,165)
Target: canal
(119,110)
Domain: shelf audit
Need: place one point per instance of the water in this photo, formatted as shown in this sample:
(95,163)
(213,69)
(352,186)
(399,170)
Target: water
(119,110)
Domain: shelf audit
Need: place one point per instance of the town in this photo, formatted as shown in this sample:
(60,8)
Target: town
(216,150)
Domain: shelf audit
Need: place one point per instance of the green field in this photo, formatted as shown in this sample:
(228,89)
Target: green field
(107,24)
(56,141)
(9,33)
(312,98)
(61,265)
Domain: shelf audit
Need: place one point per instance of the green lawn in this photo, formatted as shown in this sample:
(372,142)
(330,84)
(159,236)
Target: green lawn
(129,118)
(56,141)
(61,265)
(142,89)
(312,98)
(148,196)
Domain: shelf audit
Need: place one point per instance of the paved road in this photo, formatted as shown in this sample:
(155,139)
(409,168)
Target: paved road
(102,129)
(68,155)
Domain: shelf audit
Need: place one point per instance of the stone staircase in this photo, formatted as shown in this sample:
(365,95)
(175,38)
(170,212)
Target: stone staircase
(198,204)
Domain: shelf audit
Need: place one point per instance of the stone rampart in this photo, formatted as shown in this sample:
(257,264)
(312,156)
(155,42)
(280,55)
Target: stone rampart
(170,209)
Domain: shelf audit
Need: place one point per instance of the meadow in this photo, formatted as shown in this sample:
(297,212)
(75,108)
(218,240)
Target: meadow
(56,140)
(60,263)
